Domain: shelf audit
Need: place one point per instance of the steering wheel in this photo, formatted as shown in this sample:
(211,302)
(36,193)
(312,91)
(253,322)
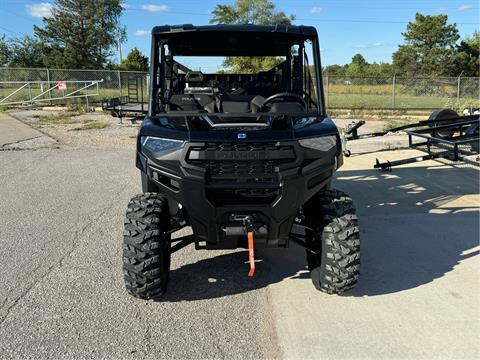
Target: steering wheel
(286,97)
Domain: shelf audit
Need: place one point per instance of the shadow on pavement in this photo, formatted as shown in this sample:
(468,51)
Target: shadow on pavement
(415,227)
(226,274)
(416,224)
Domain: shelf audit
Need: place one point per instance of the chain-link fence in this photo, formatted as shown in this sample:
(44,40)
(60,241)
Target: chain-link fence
(399,93)
(392,93)
(37,82)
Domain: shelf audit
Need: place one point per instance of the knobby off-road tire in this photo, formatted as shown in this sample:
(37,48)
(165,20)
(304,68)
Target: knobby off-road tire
(332,215)
(146,246)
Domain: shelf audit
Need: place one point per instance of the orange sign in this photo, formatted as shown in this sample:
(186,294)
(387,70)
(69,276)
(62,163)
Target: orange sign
(62,85)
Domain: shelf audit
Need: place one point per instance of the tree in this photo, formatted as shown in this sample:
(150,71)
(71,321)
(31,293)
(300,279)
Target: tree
(260,12)
(429,47)
(335,70)
(467,58)
(81,33)
(27,52)
(135,61)
(4,52)
(358,66)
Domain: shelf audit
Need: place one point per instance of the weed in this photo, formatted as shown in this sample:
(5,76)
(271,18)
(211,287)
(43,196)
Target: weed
(91,125)
(63,118)
(392,124)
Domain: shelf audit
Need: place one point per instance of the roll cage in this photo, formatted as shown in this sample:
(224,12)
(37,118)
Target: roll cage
(291,86)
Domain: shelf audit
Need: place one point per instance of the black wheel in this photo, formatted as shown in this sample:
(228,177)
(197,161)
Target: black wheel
(443,114)
(146,246)
(335,266)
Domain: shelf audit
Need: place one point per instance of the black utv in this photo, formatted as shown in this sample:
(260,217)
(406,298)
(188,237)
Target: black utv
(244,158)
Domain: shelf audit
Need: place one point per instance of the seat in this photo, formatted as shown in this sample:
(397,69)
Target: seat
(192,102)
(235,103)
(287,107)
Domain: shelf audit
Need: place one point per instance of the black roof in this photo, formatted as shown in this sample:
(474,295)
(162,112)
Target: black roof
(233,40)
(307,31)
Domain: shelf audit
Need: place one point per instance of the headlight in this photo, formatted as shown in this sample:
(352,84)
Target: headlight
(160,145)
(323,143)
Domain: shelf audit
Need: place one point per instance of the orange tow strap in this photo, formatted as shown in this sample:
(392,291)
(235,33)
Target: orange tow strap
(251,257)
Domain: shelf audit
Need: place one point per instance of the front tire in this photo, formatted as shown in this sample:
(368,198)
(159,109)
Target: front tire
(334,268)
(146,246)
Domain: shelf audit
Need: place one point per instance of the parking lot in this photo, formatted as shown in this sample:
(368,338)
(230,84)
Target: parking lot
(62,295)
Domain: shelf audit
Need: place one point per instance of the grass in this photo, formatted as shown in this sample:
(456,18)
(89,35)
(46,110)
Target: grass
(376,101)
(392,124)
(92,125)
(59,119)
(339,96)
(104,93)
(3,109)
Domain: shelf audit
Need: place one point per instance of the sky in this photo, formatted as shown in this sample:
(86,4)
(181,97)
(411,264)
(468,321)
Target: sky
(346,27)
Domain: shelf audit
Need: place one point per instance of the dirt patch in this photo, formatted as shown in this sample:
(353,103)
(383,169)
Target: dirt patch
(92,130)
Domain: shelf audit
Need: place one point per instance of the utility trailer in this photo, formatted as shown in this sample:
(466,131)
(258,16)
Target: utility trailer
(443,135)
(134,105)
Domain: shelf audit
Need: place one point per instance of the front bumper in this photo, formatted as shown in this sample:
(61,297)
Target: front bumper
(218,183)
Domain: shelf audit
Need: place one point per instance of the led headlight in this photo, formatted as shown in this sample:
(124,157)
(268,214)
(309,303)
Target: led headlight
(322,143)
(160,145)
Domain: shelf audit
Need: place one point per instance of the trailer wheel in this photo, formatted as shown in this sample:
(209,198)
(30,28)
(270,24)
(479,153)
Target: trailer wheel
(443,114)
(146,246)
(334,268)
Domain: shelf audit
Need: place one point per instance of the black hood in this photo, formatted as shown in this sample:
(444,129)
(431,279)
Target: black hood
(241,127)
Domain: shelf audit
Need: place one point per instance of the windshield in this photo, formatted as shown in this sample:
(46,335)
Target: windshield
(280,79)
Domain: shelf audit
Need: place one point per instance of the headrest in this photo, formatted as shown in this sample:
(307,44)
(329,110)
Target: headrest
(194,76)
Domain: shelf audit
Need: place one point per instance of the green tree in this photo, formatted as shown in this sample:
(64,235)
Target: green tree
(429,47)
(380,70)
(467,58)
(260,12)
(335,70)
(358,66)
(4,51)
(81,33)
(27,52)
(135,61)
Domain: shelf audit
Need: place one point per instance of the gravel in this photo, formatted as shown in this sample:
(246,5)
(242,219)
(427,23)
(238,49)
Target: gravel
(114,136)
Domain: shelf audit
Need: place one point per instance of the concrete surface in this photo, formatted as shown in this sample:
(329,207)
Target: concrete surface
(12,131)
(62,290)
(418,294)
(376,144)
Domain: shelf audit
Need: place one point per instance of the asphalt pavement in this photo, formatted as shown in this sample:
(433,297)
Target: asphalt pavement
(62,295)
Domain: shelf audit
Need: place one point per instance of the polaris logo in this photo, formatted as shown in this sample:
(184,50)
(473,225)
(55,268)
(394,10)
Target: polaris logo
(240,155)
(241,136)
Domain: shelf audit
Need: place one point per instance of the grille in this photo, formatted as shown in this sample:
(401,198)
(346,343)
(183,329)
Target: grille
(240,169)
(241,173)
(245,147)
(243,162)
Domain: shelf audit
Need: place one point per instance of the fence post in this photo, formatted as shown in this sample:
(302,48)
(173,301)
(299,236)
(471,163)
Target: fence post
(120,82)
(29,92)
(48,84)
(458,90)
(393,91)
(328,93)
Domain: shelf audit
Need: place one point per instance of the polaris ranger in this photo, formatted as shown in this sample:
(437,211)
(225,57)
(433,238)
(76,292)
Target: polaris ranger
(245,159)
